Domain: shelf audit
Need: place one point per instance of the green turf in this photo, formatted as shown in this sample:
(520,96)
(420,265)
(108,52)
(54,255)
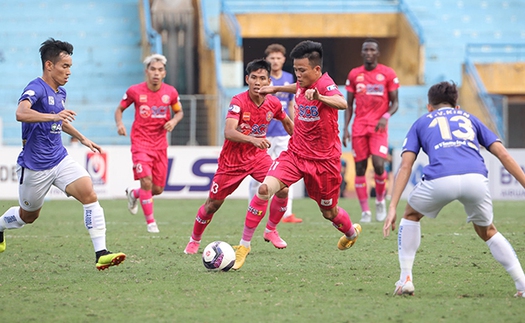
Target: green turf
(47,273)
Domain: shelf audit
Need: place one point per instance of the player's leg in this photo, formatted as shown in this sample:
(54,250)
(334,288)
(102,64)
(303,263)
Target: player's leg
(223,184)
(361,153)
(379,150)
(74,180)
(478,206)
(32,189)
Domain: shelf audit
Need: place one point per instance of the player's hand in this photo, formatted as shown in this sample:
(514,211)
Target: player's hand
(347,137)
(381,125)
(266,90)
(66,116)
(262,143)
(91,145)
(390,221)
(121,129)
(312,94)
(169,126)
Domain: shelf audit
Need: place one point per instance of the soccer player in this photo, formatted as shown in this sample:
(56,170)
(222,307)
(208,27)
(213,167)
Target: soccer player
(314,151)
(154,101)
(245,152)
(276,55)
(374,87)
(44,160)
(452,139)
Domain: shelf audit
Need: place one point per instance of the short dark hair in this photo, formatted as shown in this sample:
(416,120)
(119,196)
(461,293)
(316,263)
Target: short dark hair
(51,49)
(371,40)
(443,92)
(258,64)
(275,48)
(311,50)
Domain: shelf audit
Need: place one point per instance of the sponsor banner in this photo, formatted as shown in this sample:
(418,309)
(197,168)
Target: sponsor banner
(190,172)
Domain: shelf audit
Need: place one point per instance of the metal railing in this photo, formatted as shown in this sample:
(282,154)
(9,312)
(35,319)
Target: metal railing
(154,38)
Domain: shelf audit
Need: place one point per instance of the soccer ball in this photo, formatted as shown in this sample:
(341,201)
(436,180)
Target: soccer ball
(218,255)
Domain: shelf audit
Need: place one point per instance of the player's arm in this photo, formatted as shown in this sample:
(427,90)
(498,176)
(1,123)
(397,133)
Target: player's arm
(510,164)
(121,129)
(393,102)
(177,116)
(348,117)
(24,113)
(403,175)
(290,88)
(231,133)
(73,132)
(335,101)
(288,125)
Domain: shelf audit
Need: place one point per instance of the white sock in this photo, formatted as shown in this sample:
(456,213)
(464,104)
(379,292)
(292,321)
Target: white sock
(95,224)
(290,201)
(245,243)
(409,239)
(503,252)
(11,219)
(253,186)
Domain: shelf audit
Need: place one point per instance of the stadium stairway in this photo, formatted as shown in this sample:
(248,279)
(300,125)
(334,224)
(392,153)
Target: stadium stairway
(106,58)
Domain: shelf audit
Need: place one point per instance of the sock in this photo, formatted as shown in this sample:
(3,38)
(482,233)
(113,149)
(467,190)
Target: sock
(362,194)
(252,189)
(201,222)
(290,201)
(254,215)
(95,223)
(343,223)
(146,201)
(11,219)
(409,239)
(503,252)
(136,193)
(380,186)
(277,210)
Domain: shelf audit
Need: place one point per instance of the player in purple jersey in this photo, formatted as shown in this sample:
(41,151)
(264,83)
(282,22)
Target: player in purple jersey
(276,55)
(314,152)
(452,139)
(44,161)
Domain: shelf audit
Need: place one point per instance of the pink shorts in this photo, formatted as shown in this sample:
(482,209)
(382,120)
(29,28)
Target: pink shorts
(370,143)
(226,180)
(322,178)
(152,163)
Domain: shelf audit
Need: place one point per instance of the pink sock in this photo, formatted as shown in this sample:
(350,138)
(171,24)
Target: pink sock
(343,223)
(277,210)
(136,193)
(201,222)
(362,194)
(146,200)
(254,215)
(380,186)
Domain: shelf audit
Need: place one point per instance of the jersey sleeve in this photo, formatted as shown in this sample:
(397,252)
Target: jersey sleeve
(392,81)
(484,135)
(33,92)
(128,98)
(279,114)
(411,142)
(349,85)
(176,106)
(328,87)
(234,110)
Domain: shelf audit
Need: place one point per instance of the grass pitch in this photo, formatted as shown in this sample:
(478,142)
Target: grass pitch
(47,273)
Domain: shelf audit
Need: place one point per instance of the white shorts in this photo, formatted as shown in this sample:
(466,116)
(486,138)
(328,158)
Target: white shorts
(278,144)
(34,185)
(472,190)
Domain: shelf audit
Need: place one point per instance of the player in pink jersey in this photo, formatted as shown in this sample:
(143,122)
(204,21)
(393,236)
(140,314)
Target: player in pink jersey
(245,149)
(314,152)
(374,88)
(154,102)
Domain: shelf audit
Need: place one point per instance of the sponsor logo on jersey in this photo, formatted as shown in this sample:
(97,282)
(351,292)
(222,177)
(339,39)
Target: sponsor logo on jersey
(29,92)
(96,165)
(143,98)
(360,87)
(396,80)
(165,99)
(308,113)
(360,78)
(51,100)
(331,87)
(269,116)
(125,96)
(375,89)
(144,111)
(326,202)
(246,116)
(234,108)
(380,77)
